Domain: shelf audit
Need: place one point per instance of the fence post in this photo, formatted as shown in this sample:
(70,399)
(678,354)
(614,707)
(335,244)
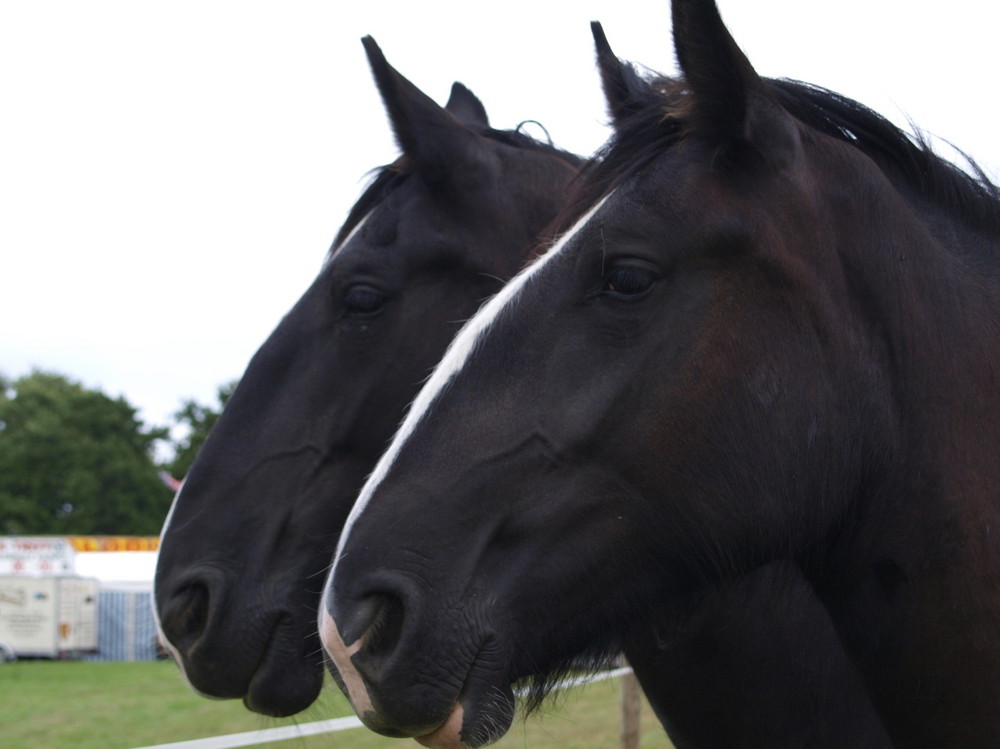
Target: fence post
(630,702)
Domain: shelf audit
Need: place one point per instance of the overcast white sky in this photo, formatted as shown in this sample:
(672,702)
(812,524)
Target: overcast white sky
(172,173)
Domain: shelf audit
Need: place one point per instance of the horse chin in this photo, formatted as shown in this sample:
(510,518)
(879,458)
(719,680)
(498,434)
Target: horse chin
(448,735)
(285,682)
(470,729)
(279,696)
(482,715)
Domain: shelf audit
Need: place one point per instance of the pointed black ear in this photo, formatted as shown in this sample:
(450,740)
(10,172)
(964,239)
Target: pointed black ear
(425,131)
(624,89)
(731,103)
(466,107)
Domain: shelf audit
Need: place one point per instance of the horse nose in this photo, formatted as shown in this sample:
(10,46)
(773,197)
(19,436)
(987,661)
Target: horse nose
(371,629)
(184,613)
(363,639)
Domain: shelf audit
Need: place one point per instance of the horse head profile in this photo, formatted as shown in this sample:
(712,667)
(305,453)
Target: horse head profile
(248,539)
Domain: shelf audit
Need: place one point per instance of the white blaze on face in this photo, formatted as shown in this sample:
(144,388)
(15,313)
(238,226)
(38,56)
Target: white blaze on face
(455,358)
(347,240)
(161,637)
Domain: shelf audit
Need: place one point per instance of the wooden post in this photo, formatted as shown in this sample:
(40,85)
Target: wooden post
(630,705)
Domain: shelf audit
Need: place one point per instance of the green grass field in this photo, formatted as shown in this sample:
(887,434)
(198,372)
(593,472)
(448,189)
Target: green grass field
(50,704)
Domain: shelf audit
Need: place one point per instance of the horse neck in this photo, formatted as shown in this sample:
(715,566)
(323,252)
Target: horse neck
(929,284)
(926,292)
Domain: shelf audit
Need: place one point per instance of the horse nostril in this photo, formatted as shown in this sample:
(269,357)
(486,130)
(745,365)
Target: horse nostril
(374,623)
(186,616)
(386,627)
(372,630)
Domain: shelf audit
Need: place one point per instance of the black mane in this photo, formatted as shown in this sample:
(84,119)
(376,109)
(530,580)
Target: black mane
(910,158)
(658,122)
(387,178)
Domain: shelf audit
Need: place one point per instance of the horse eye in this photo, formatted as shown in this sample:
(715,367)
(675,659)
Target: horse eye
(363,301)
(628,281)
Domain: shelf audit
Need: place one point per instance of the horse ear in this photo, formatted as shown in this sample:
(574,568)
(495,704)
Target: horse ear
(428,133)
(731,103)
(466,107)
(624,90)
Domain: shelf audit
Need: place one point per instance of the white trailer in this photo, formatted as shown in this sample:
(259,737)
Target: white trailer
(48,617)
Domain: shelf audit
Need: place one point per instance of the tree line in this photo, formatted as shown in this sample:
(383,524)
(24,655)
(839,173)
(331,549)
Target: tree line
(74,461)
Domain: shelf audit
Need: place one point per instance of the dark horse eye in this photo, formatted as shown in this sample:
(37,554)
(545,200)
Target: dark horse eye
(363,301)
(628,281)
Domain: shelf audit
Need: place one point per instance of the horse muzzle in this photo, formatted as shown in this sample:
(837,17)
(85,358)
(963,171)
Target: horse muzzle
(397,686)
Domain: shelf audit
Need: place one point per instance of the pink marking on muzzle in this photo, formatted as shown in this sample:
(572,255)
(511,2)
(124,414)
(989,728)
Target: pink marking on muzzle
(357,692)
(447,736)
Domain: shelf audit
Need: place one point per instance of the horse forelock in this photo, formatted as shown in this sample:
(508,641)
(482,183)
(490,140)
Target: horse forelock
(639,139)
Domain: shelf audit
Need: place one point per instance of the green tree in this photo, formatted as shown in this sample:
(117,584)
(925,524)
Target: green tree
(197,421)
(75,461)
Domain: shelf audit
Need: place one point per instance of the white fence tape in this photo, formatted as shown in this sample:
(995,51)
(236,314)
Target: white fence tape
(252,738)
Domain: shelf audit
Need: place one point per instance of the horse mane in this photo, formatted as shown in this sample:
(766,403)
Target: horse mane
(385,179)
(970,198)
(660,120)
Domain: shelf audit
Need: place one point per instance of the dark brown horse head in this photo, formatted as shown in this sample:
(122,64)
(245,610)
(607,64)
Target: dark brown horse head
(727,361)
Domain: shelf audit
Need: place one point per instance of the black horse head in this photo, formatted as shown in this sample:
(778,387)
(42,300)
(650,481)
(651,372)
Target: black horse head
(248,539)
(769,337)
